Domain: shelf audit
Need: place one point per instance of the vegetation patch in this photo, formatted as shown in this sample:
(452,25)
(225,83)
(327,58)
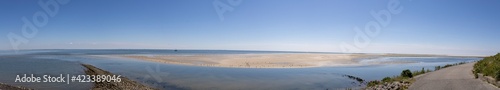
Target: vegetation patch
(489,66)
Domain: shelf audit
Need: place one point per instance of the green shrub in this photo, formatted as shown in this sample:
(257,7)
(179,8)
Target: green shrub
(406,73)
(437,68)
(498,76)
(415,73)
(489,66)
(373,83)
(448,65)
(387,79)
(477,76)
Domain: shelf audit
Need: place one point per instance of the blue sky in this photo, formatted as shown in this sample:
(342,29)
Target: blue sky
(451,27)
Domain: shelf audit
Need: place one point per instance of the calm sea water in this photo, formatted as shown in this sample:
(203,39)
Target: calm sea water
(168,76)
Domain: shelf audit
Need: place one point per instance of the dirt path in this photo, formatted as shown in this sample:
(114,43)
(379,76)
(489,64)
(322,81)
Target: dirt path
(452,78)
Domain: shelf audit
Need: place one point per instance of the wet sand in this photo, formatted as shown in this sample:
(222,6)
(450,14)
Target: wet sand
(299,60)
(286,60)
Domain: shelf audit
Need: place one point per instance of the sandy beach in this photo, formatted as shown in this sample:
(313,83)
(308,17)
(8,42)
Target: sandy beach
(301,60)
(282,60)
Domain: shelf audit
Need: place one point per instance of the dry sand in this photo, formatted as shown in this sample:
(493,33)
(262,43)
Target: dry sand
(301,60)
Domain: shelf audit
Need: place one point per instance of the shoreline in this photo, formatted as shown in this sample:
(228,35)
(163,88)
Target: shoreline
(10,87)
(278,60)
(125,84)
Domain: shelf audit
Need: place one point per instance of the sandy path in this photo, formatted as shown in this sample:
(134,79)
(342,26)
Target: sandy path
(452,78)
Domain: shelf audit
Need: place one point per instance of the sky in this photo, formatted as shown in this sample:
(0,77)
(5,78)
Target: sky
(448,27)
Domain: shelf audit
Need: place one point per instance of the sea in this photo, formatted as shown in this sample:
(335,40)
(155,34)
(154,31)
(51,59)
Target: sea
(182,77)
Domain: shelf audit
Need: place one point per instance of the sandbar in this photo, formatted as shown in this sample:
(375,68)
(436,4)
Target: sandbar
(294,60)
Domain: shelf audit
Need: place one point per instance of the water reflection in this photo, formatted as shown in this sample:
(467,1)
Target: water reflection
(11,66)
(178,77)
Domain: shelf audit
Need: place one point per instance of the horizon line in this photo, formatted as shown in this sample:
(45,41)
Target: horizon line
(293,51)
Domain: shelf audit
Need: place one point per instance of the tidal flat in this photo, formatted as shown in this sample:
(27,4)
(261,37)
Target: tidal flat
(171,76)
